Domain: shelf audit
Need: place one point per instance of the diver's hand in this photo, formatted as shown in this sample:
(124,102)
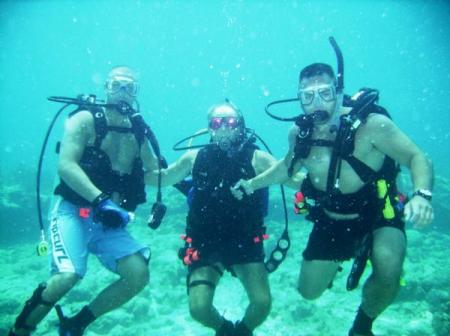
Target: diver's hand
(108,213)
(241,188)
(419,211)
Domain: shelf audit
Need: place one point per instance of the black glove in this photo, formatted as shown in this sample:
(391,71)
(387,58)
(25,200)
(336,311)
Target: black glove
(108,213)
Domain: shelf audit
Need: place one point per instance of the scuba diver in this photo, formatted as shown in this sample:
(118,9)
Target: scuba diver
(221,232)
(350,149)
(102,160)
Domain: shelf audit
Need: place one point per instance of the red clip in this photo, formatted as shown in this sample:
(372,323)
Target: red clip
(187,260)
(300,205)
(256,239)
(265,236)
(299,197)
(195,255)
(186,239)
(191,256)
(84,212)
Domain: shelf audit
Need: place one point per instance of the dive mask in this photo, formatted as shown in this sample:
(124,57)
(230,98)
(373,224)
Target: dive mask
(115,84)
(229,122)
(326,92)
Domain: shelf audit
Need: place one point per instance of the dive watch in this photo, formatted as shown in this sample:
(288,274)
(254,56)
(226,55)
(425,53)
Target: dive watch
(425,193)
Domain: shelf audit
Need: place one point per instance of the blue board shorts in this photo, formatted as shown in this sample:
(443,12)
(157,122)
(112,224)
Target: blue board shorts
(74,235)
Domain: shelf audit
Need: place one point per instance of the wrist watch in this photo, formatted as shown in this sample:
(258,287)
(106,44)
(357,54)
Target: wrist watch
(425,193)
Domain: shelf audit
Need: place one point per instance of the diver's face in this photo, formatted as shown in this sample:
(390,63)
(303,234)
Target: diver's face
(317,96)
(121,87)
(225,126)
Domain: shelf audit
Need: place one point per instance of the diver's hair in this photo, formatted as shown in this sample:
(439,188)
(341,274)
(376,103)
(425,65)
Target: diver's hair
(124,71)
(316,69)
(232,106)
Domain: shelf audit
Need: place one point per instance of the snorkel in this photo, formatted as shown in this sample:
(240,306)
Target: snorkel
(339,77)
(318,116)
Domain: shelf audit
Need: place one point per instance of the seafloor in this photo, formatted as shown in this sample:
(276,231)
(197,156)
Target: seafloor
(421,309)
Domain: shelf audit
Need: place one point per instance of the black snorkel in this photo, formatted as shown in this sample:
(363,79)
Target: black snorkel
(301,119)
(340,65)
(91,101)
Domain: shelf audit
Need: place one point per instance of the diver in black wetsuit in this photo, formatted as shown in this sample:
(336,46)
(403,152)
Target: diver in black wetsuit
(353,190)
(221,232)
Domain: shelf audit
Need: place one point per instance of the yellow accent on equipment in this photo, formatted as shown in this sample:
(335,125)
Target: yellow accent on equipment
(388,209)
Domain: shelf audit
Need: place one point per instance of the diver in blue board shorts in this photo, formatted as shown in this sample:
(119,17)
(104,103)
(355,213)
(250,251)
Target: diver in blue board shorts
(352,151)
(84,235)
(102,162)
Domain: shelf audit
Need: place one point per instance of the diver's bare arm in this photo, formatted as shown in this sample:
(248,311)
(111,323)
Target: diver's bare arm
(394,143)
(295,181)
(390,140)
(264,161)
(276,174)
(173,174)
(421,171)
(77,131)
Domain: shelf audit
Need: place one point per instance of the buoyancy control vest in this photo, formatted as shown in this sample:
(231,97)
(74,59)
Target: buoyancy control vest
(342,149)
(213,208)
(97,166)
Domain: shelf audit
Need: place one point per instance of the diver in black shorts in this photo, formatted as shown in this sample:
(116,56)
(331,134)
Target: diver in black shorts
(351,150)
(223,233)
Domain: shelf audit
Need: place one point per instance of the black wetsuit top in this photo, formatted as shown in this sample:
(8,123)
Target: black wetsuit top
(97,166)
(214,211)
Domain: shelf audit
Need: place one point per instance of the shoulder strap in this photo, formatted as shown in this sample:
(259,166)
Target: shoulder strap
(365,173)
(100,125)
(303,141)
(362,104)
(301,147)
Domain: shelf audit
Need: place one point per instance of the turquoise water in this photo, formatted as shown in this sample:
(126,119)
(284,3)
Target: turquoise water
(191,54)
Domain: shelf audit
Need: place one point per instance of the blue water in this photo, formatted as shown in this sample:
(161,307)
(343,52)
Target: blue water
(192,54)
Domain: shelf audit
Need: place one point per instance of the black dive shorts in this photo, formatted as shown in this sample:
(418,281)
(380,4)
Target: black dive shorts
(338,240)
(227,251)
